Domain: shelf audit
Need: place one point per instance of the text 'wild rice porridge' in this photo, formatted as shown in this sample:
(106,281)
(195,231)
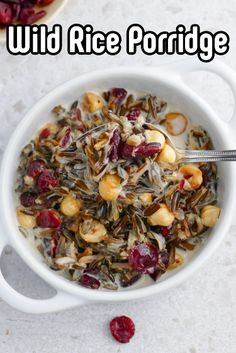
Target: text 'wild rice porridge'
(112,207)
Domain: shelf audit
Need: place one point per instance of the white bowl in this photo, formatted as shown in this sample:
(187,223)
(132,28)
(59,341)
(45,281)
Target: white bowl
(163,81)
(52,11)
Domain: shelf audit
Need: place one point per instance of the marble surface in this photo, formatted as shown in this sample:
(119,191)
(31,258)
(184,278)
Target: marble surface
(197,316)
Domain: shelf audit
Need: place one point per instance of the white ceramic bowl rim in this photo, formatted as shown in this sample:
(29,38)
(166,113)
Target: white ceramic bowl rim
(70,295)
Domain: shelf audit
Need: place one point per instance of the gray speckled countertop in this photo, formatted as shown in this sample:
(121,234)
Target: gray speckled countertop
(199,315)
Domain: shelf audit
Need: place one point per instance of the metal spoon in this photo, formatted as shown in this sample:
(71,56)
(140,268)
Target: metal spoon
(182,156)
(196,155)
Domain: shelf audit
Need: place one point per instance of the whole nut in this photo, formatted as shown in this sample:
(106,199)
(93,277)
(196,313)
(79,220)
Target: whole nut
(70,206)
(210,215)
(25,220)
(167,155)
(109,187)
(92,102)
(162,217)
(193,174)
(92,231)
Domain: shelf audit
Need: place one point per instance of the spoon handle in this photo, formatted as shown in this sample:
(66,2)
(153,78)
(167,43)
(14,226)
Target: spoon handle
(206,156)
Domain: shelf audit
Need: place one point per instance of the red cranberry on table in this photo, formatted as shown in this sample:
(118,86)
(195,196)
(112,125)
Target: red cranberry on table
(122,328)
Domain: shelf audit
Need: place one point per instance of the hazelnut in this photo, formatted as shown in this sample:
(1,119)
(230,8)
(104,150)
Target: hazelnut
(167,155)
(162,217)
(109,187)
(210,215)
(70,206)
(92,102)
(193,174)
(92,231)
(25,220)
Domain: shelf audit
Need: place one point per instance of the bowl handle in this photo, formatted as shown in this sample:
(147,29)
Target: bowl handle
(219,68)
(20,302)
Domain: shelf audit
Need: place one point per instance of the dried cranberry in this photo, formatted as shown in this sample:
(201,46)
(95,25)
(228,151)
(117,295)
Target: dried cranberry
(53,246)
(181,184)
(133,114)
(165,231)
(45,133)
(119,94)
(156,274)
(16,9)
(48,219)
(29,16)
(35,168)
(21,10)
(143,257)
(90,282)
(127,151)
(66,139)
(46,180)
(115,143)
(5,13)
(147,150)
(26,12)
(92,270)
(122,328)
(27,198)
(141,151)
